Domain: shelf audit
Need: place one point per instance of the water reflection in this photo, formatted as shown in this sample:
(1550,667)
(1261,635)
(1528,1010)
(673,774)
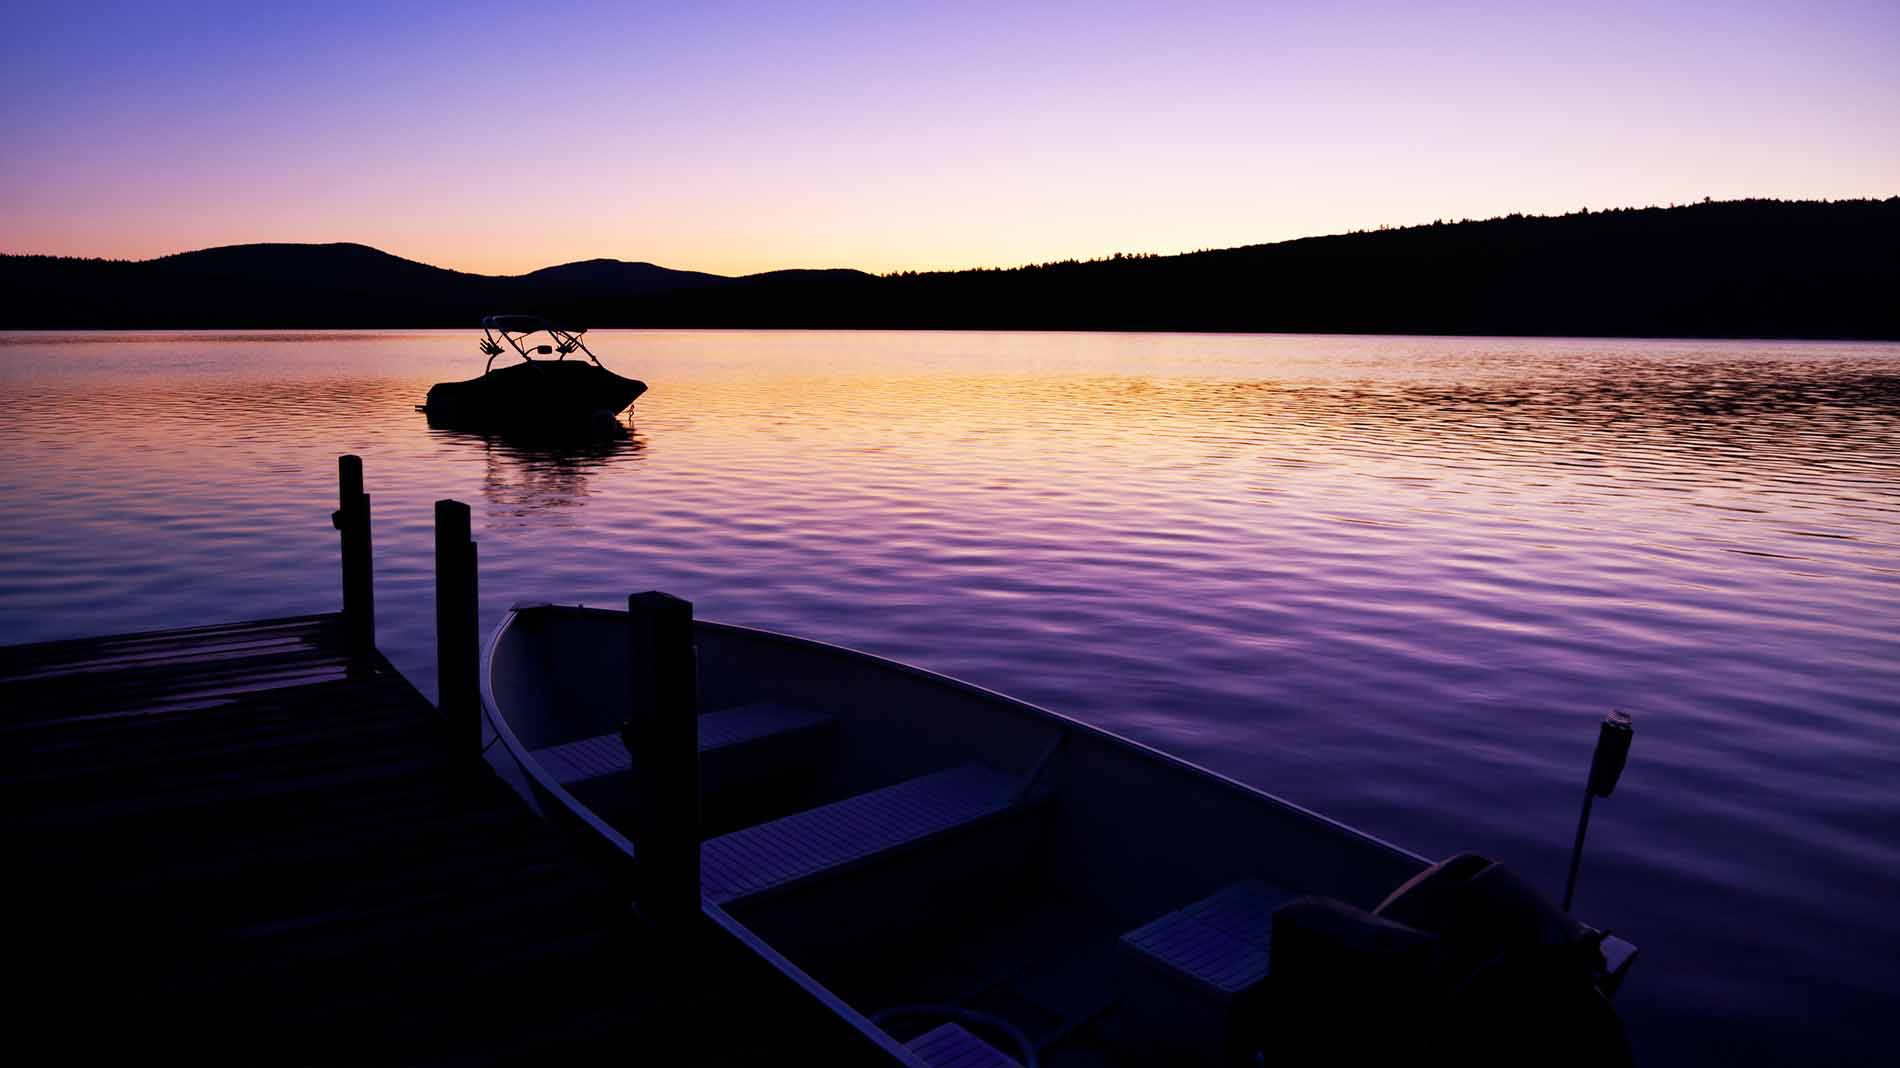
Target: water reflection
(543,475)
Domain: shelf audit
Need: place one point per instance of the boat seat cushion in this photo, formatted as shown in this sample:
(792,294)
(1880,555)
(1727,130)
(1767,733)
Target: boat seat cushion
(821,841)
(1220,944)
(723,731)
(952,1046)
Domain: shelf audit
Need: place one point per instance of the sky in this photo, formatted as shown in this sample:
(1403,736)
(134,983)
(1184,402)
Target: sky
(738,137)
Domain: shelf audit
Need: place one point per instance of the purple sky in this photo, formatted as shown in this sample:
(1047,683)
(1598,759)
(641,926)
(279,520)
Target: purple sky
(743,137)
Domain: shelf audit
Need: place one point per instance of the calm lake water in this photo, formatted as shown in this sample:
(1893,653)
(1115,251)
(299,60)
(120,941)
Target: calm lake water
(1398,580)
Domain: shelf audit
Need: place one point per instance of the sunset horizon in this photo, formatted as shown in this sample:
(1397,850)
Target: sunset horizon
(1115,254)
(746,139)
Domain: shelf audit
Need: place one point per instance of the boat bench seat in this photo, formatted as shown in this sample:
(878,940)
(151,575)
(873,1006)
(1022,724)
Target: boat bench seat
(755,761)
(951,1046)
(1199,972)
(844,834)
(721,734)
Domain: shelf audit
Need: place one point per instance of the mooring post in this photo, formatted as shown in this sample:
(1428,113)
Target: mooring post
(662,734)
(352,519)
(457,629)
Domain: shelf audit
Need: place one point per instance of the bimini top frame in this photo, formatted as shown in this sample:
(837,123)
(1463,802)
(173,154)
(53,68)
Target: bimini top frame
(514,329)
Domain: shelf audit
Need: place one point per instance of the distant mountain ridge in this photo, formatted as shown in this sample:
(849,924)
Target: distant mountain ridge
(327,264)
(1747,268)
(340,284)
(621,276)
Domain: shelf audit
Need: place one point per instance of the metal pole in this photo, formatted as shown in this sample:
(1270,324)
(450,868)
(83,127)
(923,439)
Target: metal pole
(1576,850)
(352,519)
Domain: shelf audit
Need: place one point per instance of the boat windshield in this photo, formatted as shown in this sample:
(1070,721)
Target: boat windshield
(518,331)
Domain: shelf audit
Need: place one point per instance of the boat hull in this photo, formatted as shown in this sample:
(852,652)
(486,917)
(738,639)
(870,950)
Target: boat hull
(1105,835)
(540,394)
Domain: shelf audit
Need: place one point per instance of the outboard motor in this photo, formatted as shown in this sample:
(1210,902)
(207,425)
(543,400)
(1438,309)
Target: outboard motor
(1465,960)
(1480,908)
(1515,966)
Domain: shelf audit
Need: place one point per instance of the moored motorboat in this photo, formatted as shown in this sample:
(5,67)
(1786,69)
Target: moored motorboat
(535,394)
(957,874)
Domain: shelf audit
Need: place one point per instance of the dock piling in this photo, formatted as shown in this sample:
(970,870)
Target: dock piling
(662,735)
(352,519)
(457,626)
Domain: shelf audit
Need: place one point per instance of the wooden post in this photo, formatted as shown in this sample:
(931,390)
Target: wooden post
(359,592)
(457,626)
(662,734)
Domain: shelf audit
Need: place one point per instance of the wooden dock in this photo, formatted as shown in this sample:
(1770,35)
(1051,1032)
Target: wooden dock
(244,843)
(259,842)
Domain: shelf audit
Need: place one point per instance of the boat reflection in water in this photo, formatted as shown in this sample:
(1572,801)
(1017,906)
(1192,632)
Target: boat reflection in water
(543,473)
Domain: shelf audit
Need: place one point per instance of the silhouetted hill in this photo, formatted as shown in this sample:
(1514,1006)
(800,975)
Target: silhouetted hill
(1749,268)
(619,275)
(285,285)
(806,275)
(287,264)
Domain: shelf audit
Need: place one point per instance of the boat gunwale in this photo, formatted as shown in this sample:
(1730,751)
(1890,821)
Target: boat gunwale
(492,712)
(539,778)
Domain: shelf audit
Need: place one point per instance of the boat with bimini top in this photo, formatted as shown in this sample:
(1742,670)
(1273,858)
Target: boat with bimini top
(535,394)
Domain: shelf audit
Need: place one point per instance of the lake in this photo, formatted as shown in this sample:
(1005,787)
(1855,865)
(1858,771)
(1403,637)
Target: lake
(1398,580)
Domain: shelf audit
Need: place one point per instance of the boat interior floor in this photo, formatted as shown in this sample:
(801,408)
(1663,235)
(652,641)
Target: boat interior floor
(820,879)
(1046,964)
(932,890)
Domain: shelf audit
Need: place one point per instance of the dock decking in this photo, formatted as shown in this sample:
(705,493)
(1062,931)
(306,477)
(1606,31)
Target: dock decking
(242,842)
